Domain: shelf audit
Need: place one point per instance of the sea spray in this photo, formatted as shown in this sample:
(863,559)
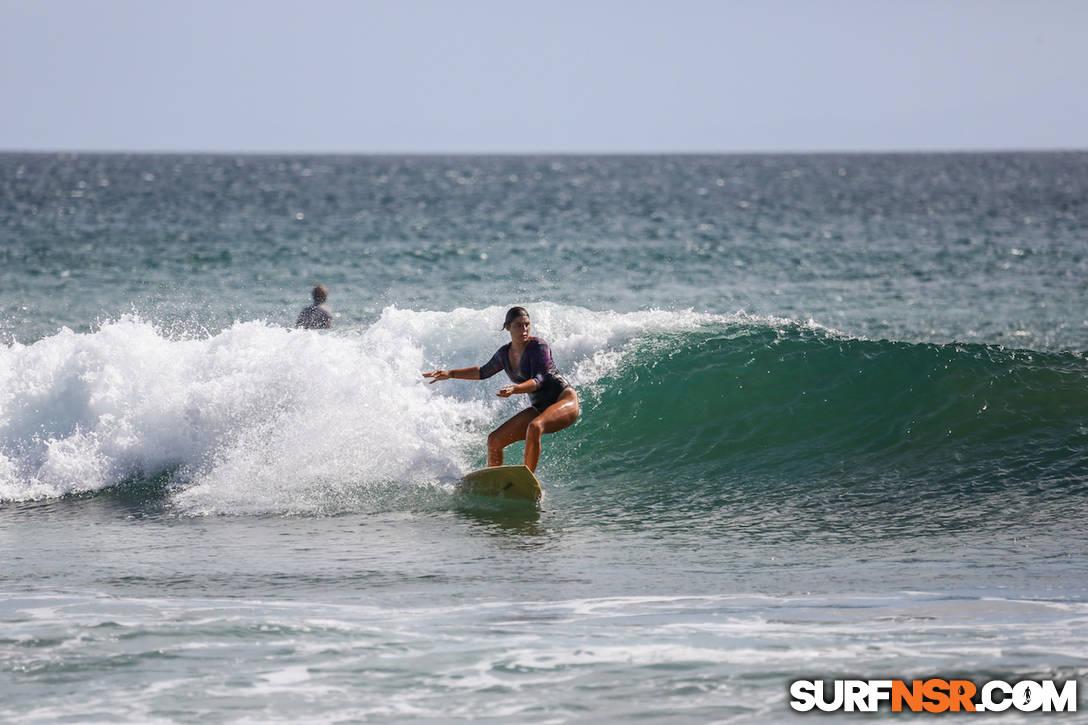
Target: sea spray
(255,416)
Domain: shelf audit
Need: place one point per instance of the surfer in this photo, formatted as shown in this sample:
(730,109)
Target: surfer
(528,363)
(317,316)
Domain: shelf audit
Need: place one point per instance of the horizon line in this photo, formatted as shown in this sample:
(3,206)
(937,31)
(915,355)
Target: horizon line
(482,153)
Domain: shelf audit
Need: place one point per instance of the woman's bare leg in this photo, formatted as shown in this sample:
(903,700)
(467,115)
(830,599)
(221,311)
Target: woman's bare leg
(509,432)
(557,417)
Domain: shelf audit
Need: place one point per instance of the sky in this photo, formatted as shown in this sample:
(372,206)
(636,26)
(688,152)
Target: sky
(507,76)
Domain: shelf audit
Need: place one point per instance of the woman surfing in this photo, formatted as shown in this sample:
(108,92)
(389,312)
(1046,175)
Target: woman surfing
(528,363)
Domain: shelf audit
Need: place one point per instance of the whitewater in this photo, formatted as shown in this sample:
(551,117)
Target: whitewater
(265,418)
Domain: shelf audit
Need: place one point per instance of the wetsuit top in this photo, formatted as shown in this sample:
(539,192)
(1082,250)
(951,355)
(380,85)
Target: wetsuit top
(315,317)
(536,364)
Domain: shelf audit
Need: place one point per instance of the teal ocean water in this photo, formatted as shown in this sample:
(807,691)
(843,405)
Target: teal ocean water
(835,424)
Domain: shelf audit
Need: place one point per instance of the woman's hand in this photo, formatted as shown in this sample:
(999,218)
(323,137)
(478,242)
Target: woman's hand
(507,391)
(437,375)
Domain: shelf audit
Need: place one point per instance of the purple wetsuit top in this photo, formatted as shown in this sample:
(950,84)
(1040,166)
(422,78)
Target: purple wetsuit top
(536,364)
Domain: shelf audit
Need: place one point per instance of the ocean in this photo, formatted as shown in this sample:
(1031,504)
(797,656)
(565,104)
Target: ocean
(834,425)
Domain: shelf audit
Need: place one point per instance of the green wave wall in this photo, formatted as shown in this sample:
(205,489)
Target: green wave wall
(805,406)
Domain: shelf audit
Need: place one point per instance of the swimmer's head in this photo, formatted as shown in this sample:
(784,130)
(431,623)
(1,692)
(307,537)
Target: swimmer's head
(320,294)
(514,313)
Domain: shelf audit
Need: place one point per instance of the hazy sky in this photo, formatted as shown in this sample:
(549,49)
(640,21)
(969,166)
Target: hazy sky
(555,76)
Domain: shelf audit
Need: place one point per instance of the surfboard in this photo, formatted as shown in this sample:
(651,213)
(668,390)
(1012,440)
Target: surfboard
(502,481)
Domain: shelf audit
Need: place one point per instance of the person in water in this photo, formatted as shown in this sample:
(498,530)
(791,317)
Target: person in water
(317,316)
(528,363)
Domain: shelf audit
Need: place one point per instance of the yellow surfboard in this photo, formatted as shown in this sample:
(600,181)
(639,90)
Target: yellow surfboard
(502,481)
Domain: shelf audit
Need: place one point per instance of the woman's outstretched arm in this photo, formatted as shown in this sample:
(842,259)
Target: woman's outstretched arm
(472,373)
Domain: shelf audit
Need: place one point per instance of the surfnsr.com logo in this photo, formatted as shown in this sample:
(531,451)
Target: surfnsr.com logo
(933,695)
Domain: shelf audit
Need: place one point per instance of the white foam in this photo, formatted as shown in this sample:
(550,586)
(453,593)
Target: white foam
(262,418)
(656,654)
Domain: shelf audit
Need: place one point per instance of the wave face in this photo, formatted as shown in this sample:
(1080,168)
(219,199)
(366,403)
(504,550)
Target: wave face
(799,401)
(259,418)
(775,425)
